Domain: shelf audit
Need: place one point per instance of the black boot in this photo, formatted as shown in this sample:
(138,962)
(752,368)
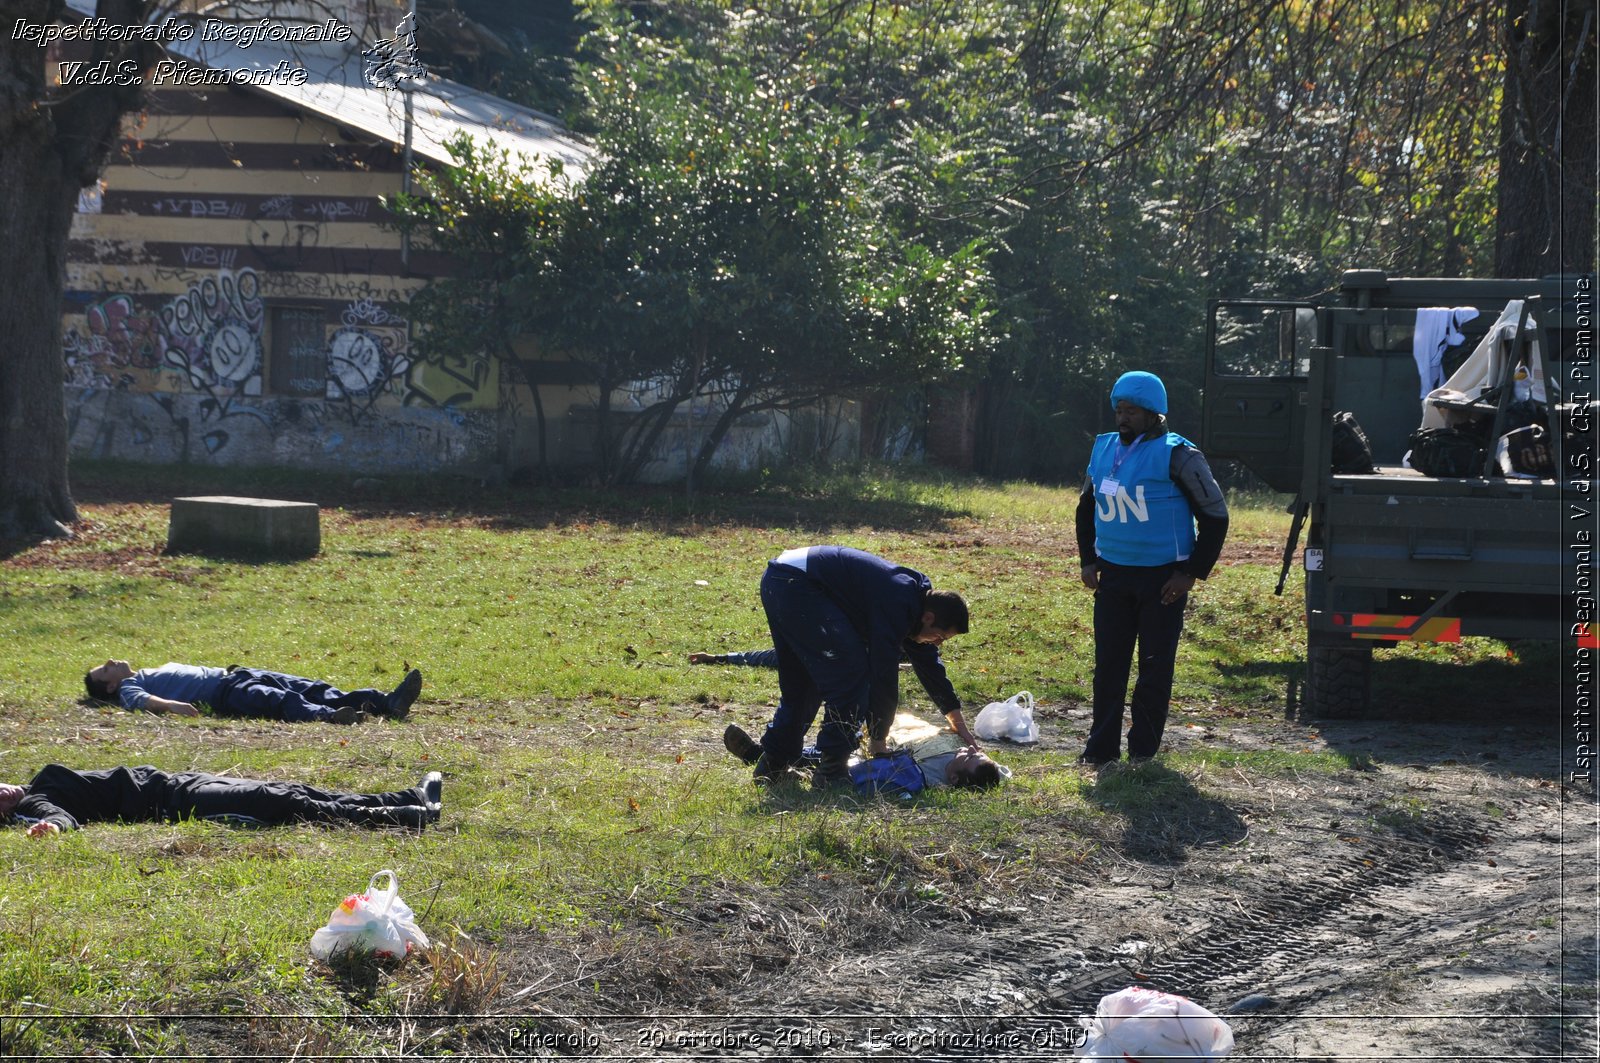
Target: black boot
(769,771)
(400,699)
(832,771)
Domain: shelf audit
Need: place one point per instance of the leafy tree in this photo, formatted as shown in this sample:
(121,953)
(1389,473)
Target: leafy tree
(520,51)
(1548,160)
(730,245)
(1034,158)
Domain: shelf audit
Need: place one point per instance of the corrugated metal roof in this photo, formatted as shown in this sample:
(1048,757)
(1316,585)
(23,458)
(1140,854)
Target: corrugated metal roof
(336,89)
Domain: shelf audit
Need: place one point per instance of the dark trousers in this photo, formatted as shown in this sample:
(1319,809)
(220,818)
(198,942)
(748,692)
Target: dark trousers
(1128,612)
(203,796)
(822,661)
(275,696)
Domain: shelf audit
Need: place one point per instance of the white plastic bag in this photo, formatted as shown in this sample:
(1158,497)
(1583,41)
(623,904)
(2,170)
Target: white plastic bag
(1011,719)
(376,921)
(1143,1025)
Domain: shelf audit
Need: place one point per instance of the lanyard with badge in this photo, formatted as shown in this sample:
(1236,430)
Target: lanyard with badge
(1109,486)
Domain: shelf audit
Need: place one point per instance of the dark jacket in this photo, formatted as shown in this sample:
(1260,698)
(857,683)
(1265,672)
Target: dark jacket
(70,798)
(884,603)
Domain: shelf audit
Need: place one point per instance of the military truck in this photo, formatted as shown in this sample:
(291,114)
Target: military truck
(1390,553)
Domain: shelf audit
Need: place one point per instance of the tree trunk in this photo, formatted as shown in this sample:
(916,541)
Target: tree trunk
(52,144)
(530,378)
(35,216)
(640,439)
(1546,194)
(719,431)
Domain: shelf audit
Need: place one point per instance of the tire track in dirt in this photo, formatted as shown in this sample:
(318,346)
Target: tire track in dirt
(1020,989)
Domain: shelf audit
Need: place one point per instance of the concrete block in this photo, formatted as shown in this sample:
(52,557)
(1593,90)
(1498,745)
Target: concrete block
(259,527)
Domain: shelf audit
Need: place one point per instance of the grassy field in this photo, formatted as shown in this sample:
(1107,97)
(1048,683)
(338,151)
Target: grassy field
(586,784)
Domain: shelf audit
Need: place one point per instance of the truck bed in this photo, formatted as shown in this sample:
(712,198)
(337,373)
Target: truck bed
(1408,481)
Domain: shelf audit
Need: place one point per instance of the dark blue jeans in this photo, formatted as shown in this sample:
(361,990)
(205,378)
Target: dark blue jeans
(822,661)
(1128,612)
(752,658)
(275,696)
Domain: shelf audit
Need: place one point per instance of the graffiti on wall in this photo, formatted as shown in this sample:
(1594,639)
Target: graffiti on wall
(281,244)
(450,381)
(309,362)
(213,338)
(366,358)
(213,333)
(171,427)
(116,336)
(132,338)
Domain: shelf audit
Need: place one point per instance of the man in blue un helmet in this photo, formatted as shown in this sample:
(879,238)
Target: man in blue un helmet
(1151,520)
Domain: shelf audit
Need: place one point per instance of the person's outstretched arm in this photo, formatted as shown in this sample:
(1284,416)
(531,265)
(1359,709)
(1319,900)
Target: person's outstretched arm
(166,705)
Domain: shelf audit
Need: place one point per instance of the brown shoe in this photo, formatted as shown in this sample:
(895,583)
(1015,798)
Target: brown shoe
(737,740)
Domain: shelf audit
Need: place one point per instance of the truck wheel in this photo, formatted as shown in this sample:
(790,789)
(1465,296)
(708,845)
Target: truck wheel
(1338,681)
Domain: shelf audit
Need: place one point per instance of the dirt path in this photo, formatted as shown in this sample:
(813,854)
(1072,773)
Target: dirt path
(1436,900)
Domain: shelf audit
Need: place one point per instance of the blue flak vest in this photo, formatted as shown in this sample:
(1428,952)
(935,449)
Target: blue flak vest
(1146,521)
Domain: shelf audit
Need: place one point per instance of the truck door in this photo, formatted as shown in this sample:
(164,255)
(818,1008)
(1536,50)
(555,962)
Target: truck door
(1257,361)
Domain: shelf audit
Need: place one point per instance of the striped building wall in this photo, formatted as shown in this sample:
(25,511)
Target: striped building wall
(232,298)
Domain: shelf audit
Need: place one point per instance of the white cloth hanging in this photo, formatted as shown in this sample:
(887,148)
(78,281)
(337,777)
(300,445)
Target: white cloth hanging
(1485,366)
(1438,328)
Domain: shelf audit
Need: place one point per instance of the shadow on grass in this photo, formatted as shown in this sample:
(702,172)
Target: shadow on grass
(359,975)
(1165,815)
(1524,685)
(810,501)
(1502,712)
(1280,681)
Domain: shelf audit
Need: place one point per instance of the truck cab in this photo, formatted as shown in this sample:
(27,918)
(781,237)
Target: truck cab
(1392,553)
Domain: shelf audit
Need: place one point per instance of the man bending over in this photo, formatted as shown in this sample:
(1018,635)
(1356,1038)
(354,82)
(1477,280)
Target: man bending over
(840,621)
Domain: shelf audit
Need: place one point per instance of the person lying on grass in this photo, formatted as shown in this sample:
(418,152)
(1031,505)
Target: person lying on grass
(181,688)
(921,756)
(61,799)
(767,658)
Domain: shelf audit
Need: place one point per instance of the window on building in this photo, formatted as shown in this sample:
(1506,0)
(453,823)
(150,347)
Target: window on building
(299,354)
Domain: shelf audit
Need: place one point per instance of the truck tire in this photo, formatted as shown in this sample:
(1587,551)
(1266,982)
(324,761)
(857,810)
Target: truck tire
(1338,681)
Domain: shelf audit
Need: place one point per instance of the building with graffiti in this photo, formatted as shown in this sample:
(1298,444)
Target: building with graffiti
(234,295)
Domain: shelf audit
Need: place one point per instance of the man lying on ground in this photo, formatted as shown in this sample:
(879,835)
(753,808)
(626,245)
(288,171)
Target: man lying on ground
(181,688)
(767,658)
(61,799)
(921,757)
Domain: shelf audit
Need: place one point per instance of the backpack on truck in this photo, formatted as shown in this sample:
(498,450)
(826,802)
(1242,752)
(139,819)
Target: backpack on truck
(1446,452)
(1352,452)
